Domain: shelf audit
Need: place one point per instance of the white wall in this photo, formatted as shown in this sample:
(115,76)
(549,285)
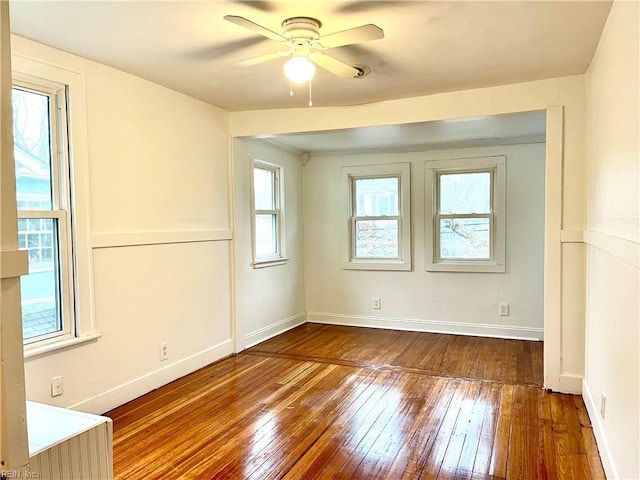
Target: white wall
(269,300)
(563,98)
(465,303)
(612,237)
(154,233)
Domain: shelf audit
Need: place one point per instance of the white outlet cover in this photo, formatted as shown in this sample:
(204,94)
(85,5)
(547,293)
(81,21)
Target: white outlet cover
(56,386)
(164,351)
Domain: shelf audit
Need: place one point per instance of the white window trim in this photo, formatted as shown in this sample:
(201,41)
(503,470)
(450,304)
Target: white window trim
(496,263)
(404,260)
(60,211)
(33,71)
(279,258)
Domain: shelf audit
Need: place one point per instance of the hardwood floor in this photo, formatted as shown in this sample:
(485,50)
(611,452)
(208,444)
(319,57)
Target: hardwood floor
(459,356)
(343,402)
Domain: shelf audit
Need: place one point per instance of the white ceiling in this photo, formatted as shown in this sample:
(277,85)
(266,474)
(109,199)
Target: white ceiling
(428,47)
(517,128)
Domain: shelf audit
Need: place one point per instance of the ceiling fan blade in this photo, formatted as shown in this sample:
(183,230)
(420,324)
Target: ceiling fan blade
(258,5)
(224,49)
(334,65)
(262,58)
(360,6)
(254,27)
(363,33)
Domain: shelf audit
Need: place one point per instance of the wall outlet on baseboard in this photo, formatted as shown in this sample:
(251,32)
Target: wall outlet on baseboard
(603,404)
(164,351)
(376,303)
(56,386)
(503,309)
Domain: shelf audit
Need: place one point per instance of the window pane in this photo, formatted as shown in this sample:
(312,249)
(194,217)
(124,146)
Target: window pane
(32,150)
(376,239)
(263,184)
(376,197)
(40,289)
(266,243)
(462,193)
(464,238)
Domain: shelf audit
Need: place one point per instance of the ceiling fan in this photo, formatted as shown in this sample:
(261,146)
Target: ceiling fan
(302,42)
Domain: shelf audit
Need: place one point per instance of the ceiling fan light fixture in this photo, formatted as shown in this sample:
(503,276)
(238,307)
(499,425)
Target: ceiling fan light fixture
(299,69)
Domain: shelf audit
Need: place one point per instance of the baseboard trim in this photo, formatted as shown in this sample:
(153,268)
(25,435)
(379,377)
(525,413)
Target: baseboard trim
(139,386)
(274,329)
(432,326)
(608,463)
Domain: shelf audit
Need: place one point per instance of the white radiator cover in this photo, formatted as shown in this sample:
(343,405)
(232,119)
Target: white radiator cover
(65,444)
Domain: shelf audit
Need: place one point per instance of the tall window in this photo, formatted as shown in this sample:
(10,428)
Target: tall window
(43,199)
(378,228)
(466,209)
(376,217)
(464,215)
(267,214)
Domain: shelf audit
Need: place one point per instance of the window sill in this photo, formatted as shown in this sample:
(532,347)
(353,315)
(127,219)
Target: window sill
(269,263)
(468,267)
(37,351)
(377,265)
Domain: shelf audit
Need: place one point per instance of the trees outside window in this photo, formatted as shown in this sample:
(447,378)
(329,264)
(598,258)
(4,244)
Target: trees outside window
(378,217)
(465,214)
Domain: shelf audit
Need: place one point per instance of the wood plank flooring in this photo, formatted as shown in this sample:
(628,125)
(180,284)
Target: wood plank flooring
(492,359)
(347,403)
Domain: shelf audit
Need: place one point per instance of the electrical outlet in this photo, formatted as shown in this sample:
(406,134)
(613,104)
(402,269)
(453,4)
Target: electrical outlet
(376,303)
(56,386)
(164,351)
(503,309)
(603,404)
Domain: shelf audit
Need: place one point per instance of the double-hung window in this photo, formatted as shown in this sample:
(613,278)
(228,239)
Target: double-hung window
(378,217)
(268,248)
(43,198)
(465,215)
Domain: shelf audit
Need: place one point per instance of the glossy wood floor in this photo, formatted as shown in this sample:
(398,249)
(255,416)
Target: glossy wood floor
(506,361)
(341,402)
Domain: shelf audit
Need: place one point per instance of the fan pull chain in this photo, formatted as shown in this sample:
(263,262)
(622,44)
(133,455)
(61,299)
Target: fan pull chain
(291,88)
(310,101)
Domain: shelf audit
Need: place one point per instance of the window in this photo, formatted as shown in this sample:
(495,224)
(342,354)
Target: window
(465,211)
(43,199)
(378,217)
(267,215)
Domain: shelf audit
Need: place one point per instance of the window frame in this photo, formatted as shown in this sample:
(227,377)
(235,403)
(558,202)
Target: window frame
(402,171)
(355,218)
(86,328)
(496,263)
(60,212)
(278,258)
